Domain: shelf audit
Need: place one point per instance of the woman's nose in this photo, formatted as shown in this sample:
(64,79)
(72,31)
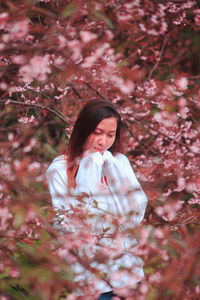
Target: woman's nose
(102,140)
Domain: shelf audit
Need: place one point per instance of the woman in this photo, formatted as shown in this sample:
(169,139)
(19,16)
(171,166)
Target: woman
(94,167)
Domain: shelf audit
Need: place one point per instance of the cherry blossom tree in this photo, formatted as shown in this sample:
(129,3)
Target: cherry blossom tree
(142,55)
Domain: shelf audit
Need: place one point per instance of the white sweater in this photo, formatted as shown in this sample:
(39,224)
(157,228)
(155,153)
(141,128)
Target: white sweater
(110,187)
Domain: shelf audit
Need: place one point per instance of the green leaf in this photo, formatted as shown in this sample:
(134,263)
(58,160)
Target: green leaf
(68,10)
(19,218)
(49,149)
(104,18)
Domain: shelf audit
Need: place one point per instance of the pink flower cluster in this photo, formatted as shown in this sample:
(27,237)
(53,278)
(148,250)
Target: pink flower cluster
(37,68)
(3,19)
(19,30)
(165,118)
(26,120)
(169,210)
(5,216)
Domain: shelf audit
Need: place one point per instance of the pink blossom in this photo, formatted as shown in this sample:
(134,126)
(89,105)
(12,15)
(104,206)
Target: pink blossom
(5,169)
(15,144)
(142,27)
(188,4)
(14,273)
(75,47)
(159,233)
(61,41)
(195,148)
(172,7)
(144,288)
(169,210)
(37,68)
(11,136)
(72,297)
(130,5)
(155,278)
(180,184)
(153,32)
(3,298)
(3,19)
(183,112)
(71,31)
(126,110)
(98,6)
(3,86)
(59,61)
(197,20)
(6,37)
(109,35)
(29,38)
(191,187)
(123,16)
(2,46)
(99,51)
(165,118)
(150,87)
(87,36)
(178,21)
(90,60)
(19,29)
(26,120)
(30,145)
(5,215)
(163,28)
(127,87)
(18,59)
(182,102)
(197,289)
(182,83)
(194,201)
(31,215)
(161,10)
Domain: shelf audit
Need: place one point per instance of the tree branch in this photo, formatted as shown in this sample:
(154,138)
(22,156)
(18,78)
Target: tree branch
(145,123)
(91,88)
(141,142)
(39,106)
(159,58)
(76,92)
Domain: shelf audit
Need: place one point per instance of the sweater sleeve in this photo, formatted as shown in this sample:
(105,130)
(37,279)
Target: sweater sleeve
(88,181)
(56,176)
(125,187)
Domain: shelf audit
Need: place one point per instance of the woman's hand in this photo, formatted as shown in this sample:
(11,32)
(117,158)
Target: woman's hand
(96,157)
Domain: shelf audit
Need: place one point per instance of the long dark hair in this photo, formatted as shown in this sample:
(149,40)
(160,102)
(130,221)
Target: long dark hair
(88,119)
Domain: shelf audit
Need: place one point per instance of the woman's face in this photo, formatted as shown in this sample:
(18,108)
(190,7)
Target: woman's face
(103,137)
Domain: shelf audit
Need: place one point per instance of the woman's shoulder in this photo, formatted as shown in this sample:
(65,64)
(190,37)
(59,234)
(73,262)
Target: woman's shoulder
(121,157)
(59,162)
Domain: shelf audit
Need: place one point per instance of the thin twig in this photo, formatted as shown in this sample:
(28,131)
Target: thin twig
(159,58)
(76,92)
(47,96)
(91,88)
(144,122)
(141,142)
(36,106)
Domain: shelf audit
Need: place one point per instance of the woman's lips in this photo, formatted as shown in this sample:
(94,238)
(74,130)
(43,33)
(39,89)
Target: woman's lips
(99,150)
